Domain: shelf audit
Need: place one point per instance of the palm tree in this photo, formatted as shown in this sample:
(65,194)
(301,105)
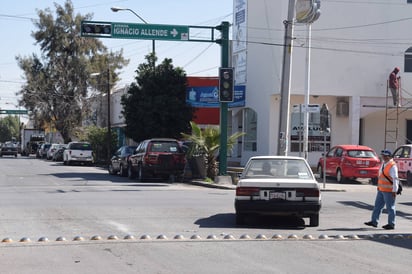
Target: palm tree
(206,143)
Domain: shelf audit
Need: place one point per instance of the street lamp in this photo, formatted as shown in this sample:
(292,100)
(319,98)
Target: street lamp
(116,9)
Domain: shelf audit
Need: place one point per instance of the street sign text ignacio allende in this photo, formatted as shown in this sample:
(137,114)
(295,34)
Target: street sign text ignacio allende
(126,30)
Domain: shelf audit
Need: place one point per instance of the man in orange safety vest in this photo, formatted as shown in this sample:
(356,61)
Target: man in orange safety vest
(388,183)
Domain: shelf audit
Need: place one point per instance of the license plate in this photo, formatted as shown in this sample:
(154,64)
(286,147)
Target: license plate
(277,195)
(363,172)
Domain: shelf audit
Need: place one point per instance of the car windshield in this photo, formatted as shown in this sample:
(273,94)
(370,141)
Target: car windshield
(361,153)
(277,168)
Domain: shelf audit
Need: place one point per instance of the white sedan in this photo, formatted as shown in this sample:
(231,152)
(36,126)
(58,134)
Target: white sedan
(278,186)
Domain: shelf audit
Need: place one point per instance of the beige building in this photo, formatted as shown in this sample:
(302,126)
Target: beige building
(354,47)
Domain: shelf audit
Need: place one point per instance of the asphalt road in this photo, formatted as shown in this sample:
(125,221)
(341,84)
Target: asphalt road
(77,219)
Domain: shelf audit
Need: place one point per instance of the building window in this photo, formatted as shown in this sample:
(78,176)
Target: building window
(408,58)
(250,130)
(316,137)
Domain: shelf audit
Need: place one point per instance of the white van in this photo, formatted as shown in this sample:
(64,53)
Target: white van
(78,152)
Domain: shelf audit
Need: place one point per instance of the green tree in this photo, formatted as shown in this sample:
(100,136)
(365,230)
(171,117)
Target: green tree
(9,128)
(57,81)
(155,105)
(97,137)
(207,142)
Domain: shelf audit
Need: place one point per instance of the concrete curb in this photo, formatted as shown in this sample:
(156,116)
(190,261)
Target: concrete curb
(211,185)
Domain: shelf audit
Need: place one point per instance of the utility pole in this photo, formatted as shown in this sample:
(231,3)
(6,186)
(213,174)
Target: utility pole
(283,146)
(224,44)
(109,130)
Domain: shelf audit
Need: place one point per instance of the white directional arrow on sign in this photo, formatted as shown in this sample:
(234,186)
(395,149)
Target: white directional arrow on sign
(174,32)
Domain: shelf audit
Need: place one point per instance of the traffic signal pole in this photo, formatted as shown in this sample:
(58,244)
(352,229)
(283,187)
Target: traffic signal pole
(119,30)
(224,43)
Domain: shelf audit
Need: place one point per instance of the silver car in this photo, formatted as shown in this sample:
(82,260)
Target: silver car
(278,186)
(53,149)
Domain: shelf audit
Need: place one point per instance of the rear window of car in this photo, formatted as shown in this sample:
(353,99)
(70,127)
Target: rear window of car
(81,146)
(9,145)
(129,150)
(361,153)
(164,147)
(278,168)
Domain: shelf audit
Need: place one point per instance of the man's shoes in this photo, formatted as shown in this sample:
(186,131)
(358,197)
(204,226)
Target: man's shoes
(388,226)
(371,224)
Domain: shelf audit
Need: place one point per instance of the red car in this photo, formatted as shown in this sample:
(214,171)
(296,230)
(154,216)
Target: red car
(158,157)
(403,159)
(350,162)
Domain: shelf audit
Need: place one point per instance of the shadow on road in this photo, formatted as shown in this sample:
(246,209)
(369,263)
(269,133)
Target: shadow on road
(95,176)
(227,220)
(362,205)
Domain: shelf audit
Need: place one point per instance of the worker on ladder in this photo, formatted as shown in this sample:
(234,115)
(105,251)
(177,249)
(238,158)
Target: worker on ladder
(394,86)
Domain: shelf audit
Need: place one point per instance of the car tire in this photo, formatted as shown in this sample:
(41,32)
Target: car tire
(111,170)
(123,171)
(314,220)
(409,178)
(130,173)
(320,171)
(240,218)
(140,174)
(339,177)
(172,178)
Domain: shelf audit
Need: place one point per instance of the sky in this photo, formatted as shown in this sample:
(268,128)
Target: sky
(196,58)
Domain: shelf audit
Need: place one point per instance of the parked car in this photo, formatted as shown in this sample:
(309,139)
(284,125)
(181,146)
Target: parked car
(403,158)
(42,152)
(8,148)
(160,157)
(118,163)
(78,152)
(58,155)
(277,186)
(36,148)
(350,161)
(53,148)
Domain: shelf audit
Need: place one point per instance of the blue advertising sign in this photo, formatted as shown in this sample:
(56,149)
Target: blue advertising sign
(208,97)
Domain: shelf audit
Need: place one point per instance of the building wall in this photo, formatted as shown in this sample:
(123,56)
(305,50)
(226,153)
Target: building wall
(352,56)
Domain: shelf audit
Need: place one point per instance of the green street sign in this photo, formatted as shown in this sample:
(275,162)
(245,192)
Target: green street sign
(150,32)
(13,111)
(135,31)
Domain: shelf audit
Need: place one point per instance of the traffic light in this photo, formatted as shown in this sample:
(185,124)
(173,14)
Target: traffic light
(226,85)
(96,29)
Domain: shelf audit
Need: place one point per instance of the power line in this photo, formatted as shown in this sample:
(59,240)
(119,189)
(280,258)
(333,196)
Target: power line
(197,56)
(17,17)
